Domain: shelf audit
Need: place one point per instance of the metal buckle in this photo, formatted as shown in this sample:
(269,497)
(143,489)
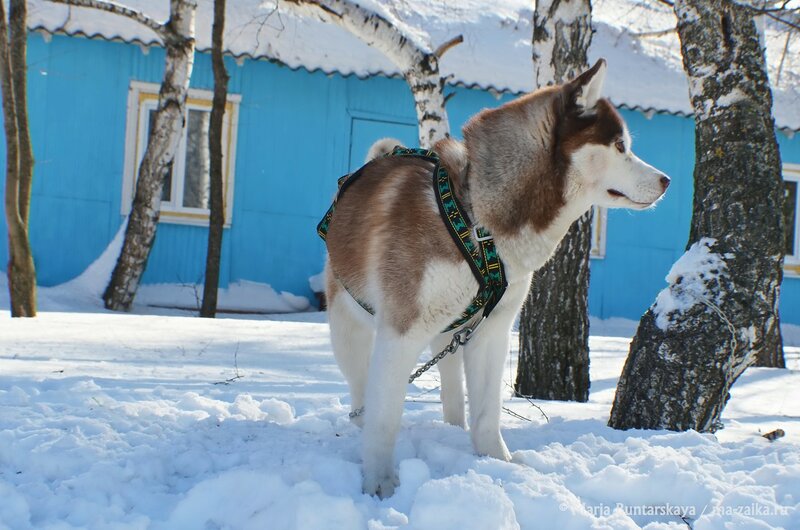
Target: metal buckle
(478,238)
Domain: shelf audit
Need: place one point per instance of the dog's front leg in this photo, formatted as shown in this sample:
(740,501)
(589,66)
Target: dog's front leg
(393,359)
(484,358)
(451,370)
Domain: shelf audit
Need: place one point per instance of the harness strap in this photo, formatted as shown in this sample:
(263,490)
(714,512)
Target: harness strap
(475,243)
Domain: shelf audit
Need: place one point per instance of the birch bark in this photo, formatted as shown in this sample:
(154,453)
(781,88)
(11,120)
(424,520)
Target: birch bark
(720,309)
(168,122)
(554,323)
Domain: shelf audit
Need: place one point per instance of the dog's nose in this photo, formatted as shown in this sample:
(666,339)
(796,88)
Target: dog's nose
(664,182)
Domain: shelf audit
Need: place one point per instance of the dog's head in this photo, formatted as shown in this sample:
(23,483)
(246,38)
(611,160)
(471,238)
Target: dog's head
(594,142)
(553,153)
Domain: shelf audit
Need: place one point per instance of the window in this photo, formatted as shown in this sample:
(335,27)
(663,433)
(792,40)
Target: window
(185,198)
(597,249)
(791,178)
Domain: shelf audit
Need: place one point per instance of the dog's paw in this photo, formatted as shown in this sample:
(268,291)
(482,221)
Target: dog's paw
(502,453)
(382,486)
(492,445)
(358,420)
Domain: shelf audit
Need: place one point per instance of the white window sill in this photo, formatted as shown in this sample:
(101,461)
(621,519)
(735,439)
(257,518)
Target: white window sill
(185,218)
(791,270)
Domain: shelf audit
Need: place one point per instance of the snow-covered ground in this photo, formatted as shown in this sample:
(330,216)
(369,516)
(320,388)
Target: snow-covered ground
(175,422)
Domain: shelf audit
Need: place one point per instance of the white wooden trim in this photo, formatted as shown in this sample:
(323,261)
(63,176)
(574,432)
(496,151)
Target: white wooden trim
(153,88)
(233,129)
(129,161)
(597,249)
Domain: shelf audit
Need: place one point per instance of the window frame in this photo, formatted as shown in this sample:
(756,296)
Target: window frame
(597,247)
(791,262)
(142,98)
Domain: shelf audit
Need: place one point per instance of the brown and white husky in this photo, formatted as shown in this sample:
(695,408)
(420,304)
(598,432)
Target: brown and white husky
(525,171)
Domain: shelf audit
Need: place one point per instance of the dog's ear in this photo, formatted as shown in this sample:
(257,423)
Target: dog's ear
(584,91)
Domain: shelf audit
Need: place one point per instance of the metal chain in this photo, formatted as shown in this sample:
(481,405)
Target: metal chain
(460,338)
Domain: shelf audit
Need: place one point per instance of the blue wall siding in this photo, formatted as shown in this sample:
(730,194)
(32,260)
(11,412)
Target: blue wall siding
(292,144)
(77,123)
(298,132)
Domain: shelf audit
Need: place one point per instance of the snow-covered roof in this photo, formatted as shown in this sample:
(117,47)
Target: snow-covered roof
(636,36)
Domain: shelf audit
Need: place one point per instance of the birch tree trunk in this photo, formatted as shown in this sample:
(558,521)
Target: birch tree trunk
(720,309)
(420,67)
(168,123)
(554,323)
(216,201)
(771,355)
(19,158)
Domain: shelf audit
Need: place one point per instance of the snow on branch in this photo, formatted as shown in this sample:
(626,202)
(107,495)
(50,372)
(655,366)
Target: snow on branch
(372,28)
(111,7)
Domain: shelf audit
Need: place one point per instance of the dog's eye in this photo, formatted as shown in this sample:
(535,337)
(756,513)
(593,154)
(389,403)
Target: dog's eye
(620,145)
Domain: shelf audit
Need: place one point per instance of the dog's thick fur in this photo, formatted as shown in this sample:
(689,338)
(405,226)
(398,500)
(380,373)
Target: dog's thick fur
(525,172)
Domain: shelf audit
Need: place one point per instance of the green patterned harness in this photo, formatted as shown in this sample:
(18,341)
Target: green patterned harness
(479,250)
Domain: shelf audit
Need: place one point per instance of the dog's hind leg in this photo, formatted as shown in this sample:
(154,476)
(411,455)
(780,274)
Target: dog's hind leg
(451,369)
(352,338)
(392,361)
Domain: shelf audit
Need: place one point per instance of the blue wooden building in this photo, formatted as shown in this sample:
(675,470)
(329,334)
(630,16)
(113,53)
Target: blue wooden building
(291,131)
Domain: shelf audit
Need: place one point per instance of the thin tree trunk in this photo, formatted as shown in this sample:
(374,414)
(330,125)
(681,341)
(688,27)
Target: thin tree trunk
(168,123)
(19,159)
(721,307)
(554,323)
(217,205)
(19,66)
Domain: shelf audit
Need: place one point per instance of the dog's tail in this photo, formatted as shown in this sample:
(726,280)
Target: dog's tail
(382,147)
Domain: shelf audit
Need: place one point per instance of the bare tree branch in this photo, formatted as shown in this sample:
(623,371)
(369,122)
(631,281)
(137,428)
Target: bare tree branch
(791,24)
(764,9)
(446,46)
(157,27)
(370,27)
(658,33)
(783,58)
